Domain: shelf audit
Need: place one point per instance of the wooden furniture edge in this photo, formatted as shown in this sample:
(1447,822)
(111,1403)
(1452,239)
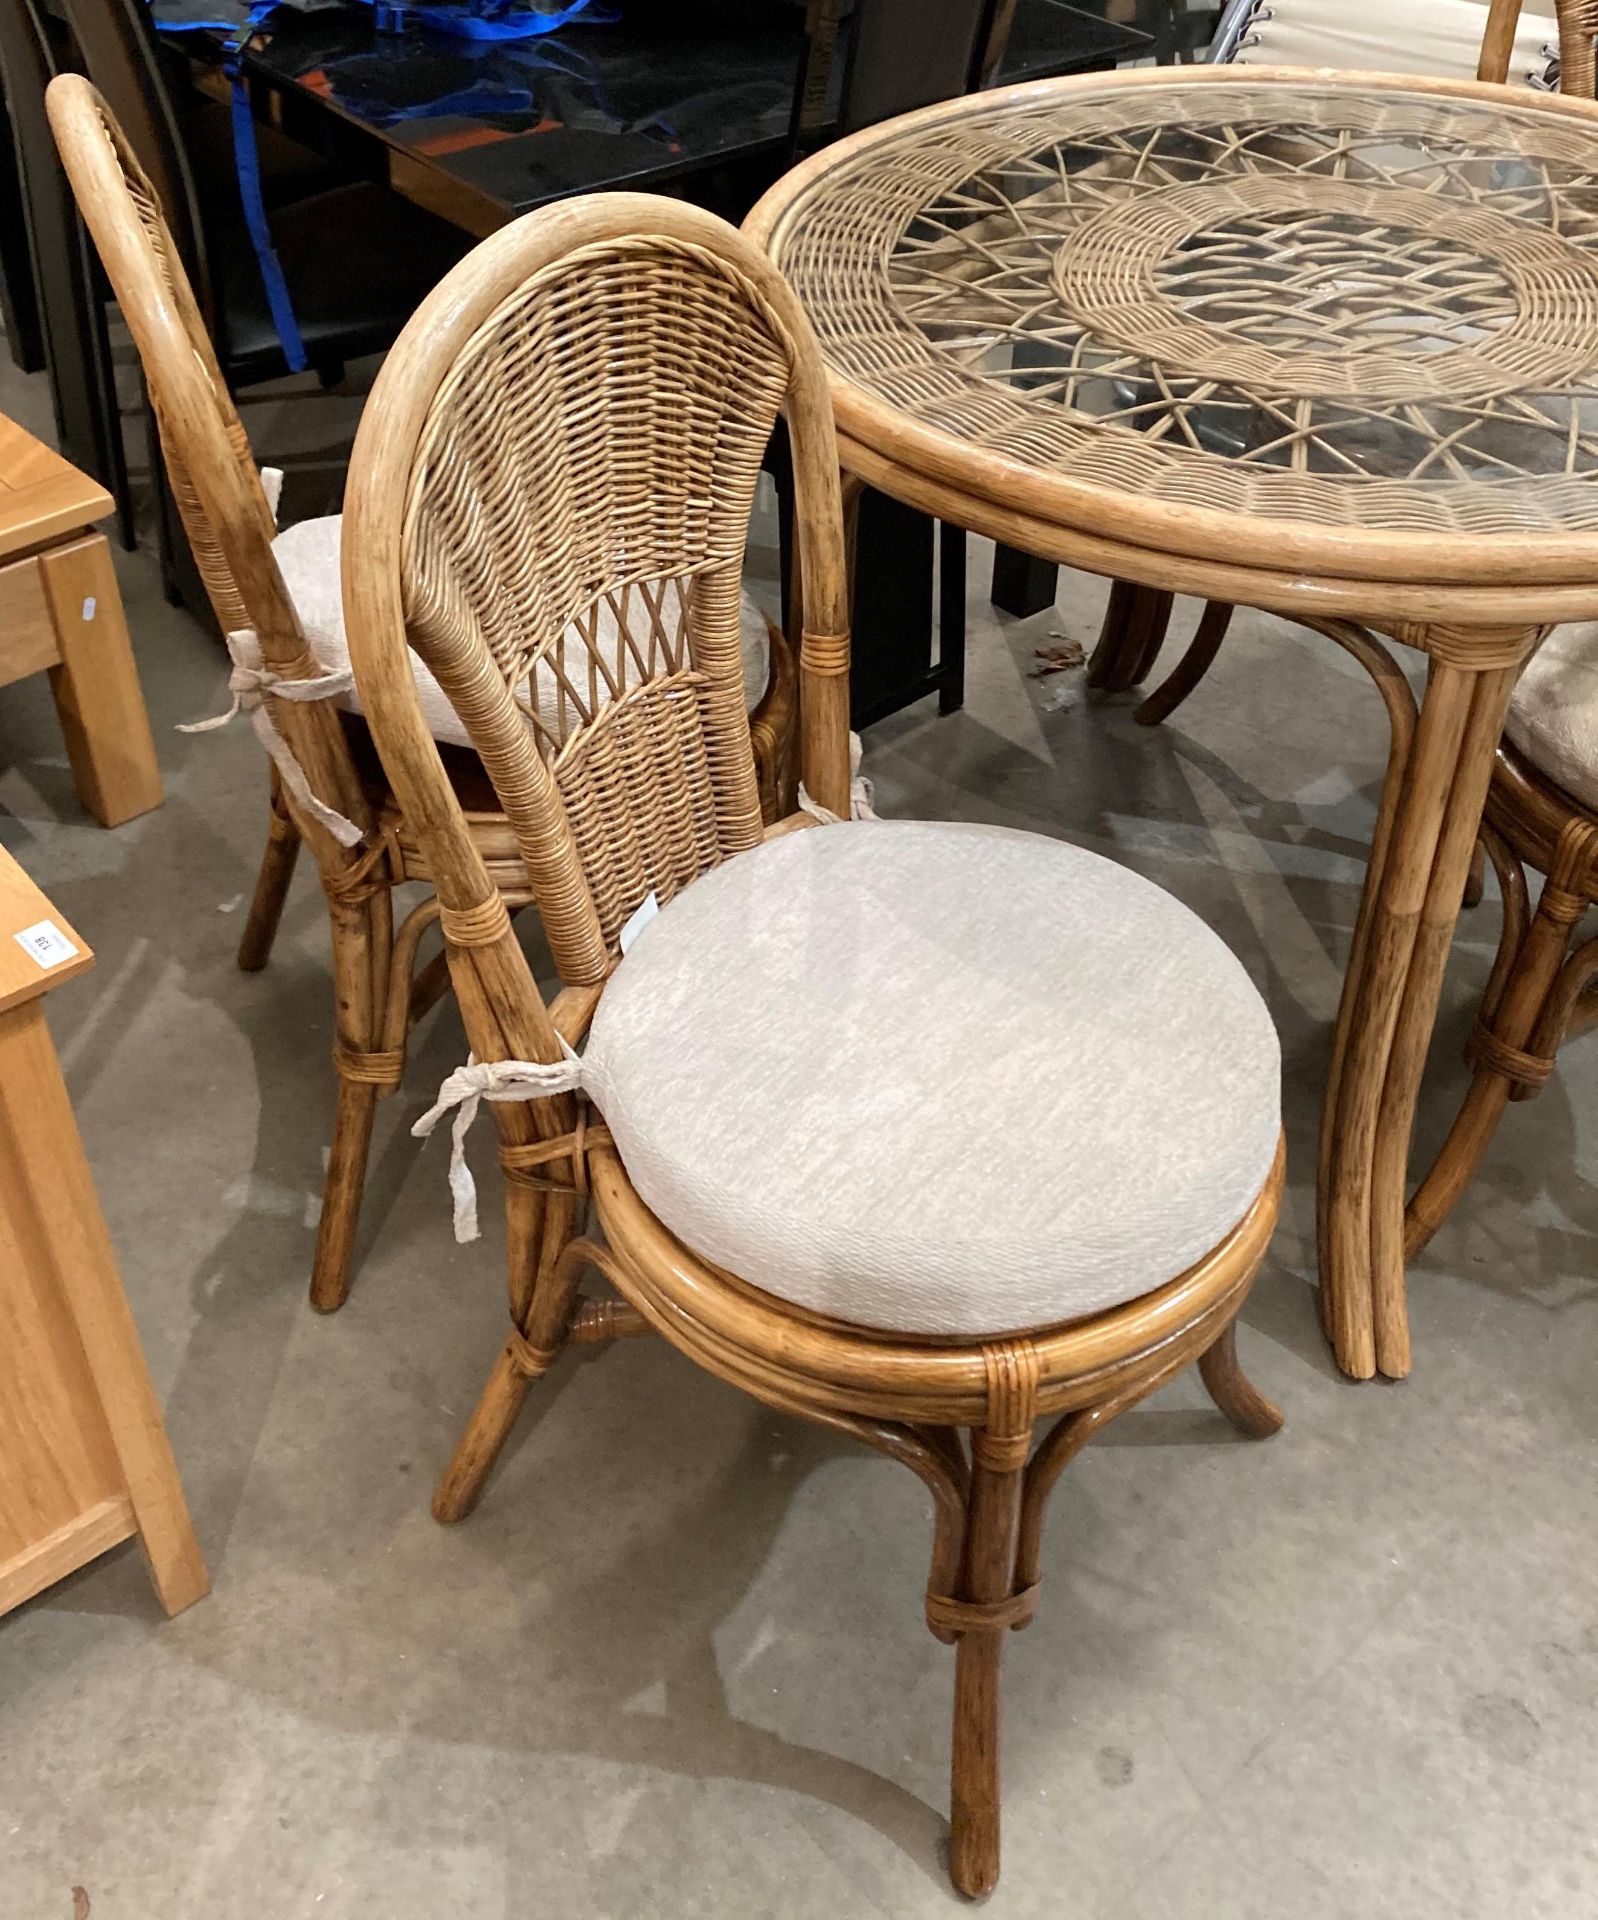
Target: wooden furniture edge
(23,905)
(71,1232)
(84,1538)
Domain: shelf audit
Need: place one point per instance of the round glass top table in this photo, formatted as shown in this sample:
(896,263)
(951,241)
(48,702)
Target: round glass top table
(1321,343)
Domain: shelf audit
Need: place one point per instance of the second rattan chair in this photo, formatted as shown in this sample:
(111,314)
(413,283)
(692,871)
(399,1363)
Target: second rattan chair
(276,597)
(905,1128)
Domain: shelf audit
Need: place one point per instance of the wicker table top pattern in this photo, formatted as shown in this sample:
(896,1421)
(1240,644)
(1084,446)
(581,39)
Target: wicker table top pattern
(1364,312)
(1323,343)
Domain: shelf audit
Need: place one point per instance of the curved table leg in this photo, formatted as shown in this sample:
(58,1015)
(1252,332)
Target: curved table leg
(1130,640)
(1431,812)
(1191,668)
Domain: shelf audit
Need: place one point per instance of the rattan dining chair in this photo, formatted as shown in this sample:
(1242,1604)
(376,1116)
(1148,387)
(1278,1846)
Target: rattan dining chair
(865,1114)
(1489,39)
(1542,816)
(277,598)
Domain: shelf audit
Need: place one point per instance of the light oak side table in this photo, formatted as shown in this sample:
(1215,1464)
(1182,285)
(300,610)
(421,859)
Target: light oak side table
(84,1459)
(61,613)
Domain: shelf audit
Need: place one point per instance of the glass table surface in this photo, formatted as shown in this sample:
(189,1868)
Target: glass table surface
(1367,308)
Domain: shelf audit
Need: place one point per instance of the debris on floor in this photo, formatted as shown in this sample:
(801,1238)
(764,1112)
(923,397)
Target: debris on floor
(1059,657)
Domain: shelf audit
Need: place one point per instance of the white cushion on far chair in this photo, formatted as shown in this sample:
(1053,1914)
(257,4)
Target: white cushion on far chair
(937,1078)
(1440,37)
(1553,716)
(308,558)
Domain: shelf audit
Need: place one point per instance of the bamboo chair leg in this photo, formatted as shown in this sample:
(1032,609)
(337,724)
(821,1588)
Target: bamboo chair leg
(1457,1160)
(992,1532)
(1476,879)
(341,1196)
(1584,1004)
(1507,1036)
(1190,669)
(1131,637)
(1232,1390)
(360,975)
(538,1231)
(271,887)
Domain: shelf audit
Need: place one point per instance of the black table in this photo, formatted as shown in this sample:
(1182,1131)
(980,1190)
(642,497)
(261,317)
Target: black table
(697,97)
(664,97)
(1178,30)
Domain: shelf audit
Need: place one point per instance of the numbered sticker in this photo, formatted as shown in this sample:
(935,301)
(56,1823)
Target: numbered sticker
(46,942)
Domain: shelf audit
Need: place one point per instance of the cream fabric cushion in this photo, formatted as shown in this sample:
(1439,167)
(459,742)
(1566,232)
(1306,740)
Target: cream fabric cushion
(937,1078)
(308,558)
(1553,717)
(1390,36)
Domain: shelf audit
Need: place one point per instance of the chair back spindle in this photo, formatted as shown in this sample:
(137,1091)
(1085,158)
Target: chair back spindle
(1576,22)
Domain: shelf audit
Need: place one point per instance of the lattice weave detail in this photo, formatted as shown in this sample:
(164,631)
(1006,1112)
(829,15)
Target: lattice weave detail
(1309,302)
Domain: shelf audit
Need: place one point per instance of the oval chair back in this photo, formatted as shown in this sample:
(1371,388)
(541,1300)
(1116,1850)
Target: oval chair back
(218,489)
(552,483)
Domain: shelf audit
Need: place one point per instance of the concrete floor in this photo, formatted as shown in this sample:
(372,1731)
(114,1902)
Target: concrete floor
(675,1664)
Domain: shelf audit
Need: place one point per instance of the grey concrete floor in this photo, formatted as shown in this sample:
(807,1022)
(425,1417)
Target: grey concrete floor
(675,1664)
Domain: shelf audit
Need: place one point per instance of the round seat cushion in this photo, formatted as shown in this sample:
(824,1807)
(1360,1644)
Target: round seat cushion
(936,1078)
(307,555)
(1553,715)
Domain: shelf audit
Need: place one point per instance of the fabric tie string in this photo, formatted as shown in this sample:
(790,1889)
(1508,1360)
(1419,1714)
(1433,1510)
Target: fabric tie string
(466,1088)
(249,683)
(861,793)
(272,487)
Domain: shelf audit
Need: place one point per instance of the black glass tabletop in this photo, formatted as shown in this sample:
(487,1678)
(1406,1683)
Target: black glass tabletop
(606,102)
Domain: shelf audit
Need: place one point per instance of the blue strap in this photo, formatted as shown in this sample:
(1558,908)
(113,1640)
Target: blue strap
(513,23)
(472,22)
(247,161)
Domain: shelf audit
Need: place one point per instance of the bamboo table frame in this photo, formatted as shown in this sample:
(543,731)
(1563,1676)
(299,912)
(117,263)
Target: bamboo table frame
(1470,578)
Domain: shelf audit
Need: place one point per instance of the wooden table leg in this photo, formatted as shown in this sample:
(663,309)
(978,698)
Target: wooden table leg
(1431,811)
(96,684)
(54,1215)
(1022,584)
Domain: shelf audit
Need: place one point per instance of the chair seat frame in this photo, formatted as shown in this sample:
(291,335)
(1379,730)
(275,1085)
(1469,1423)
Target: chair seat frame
(909,1399)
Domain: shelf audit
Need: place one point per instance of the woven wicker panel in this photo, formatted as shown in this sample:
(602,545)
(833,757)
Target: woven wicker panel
(597,444)
(652,740)
(1312,303)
